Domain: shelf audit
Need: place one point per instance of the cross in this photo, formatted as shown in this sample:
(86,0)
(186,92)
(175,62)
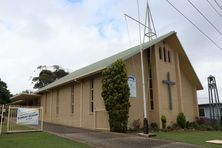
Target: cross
(169,83)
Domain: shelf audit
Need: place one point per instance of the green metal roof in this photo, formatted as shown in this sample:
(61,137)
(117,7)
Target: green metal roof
(100,65)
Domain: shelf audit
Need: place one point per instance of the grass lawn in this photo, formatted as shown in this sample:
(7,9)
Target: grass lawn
(37,140)
(192,137)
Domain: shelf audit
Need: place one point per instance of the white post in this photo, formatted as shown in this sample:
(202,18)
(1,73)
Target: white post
(142,71)
(2,114)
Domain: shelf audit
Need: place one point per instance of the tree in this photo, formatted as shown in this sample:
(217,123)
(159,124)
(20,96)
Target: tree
(27,91)
(115,92)
(4,93)
(47,76)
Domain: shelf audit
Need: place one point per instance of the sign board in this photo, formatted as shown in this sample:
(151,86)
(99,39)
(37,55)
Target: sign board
(27,116)
(132,85)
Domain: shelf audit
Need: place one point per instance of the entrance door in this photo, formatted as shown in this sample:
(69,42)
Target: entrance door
(101,119)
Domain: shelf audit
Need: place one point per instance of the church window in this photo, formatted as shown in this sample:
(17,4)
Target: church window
(150,83)
(160,53)
(46,96)
(57,102)
(169,58)
(150,88)
(72,99)
(164,54)
(151,99)
(91,96)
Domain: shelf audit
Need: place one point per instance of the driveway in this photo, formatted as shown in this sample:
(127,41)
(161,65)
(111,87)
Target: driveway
(105,139)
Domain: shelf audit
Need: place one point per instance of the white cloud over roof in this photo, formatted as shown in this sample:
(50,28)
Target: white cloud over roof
(75,33)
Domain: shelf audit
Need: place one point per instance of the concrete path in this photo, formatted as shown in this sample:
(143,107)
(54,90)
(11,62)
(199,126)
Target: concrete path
(105,139)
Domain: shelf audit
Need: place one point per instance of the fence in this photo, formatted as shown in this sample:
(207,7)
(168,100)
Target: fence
(20,119)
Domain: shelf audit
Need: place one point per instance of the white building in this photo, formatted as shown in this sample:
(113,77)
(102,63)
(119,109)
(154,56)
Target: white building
(204,110)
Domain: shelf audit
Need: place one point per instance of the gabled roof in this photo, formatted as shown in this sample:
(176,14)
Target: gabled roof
(100,65)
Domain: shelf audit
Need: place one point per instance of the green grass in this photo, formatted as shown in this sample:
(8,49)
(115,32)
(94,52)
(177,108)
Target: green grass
(192,137)
(37,140)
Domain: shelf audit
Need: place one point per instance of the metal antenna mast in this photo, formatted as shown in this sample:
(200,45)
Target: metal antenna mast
(214,101)
(150,33)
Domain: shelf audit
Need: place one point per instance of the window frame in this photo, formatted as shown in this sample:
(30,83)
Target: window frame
(57,102)
(164,54)
(169,56)
(46,98)
(91,101)
(201,115)
(72,99)
(160,53)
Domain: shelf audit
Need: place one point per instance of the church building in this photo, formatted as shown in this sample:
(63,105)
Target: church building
(170,81)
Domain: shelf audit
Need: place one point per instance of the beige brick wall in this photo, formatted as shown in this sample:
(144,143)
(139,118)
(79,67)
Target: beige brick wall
(183,95)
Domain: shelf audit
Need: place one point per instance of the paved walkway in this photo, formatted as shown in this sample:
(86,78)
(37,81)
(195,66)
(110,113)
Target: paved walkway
(105,139)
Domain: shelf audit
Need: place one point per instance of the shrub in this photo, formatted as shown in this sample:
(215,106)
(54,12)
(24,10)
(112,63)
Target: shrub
(202,121)
(154,126)
(204,127)
(163,120)
(115,92)
(136,124)
(191,125)
(181,120)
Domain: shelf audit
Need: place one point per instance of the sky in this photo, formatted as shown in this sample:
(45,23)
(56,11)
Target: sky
(75,33)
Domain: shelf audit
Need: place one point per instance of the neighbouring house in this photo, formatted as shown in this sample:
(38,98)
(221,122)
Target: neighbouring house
(170,80)
(204,110)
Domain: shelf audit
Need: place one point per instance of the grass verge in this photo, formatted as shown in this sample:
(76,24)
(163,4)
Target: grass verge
(37,140)
(192,137)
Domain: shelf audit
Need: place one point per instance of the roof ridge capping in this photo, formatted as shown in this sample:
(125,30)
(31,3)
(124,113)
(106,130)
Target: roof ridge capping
(102,64)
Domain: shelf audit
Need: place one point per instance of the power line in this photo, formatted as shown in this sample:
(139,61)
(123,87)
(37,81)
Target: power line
(205,17)
(218,4)
(195,25)
(214,8)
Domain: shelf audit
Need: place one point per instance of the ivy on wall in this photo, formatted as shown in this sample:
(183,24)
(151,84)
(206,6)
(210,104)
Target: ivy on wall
(116,92)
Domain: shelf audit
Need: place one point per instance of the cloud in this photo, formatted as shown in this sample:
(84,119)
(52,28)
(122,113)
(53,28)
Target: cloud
(69,32)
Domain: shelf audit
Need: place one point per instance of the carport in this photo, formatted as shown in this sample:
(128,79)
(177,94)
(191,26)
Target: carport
(26,99)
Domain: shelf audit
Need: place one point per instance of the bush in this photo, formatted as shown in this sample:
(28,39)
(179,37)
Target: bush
(136,124)
(191,125)
(115,92)
(202,121)
(154,126)
(163,120)
(181,120)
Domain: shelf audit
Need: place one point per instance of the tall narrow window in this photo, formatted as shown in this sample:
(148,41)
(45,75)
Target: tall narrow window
(164,54)
(151,99)
(91,96)
(169,58)
(160,53)
(150,88)
(46,96)
(72,99)
(57,102)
